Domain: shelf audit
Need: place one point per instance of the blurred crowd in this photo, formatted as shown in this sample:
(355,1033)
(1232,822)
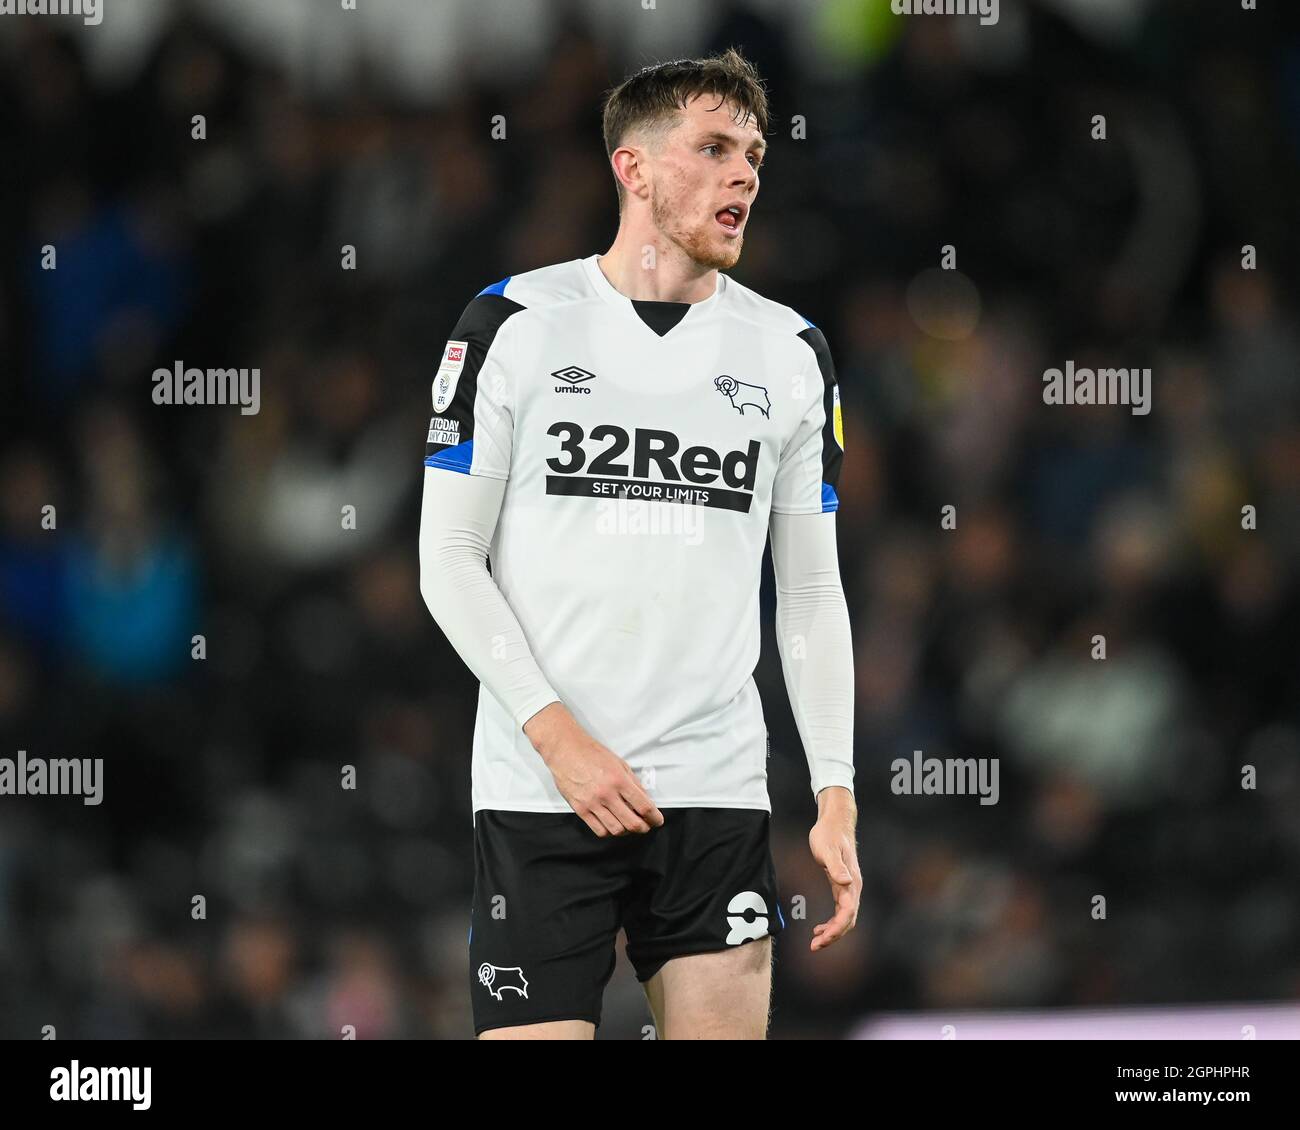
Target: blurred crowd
(324,906)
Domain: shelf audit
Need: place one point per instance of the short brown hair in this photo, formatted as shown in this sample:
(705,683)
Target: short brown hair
(655,94)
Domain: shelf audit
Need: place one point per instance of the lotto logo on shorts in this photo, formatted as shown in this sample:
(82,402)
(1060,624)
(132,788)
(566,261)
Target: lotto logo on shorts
(747,917)
(497,979)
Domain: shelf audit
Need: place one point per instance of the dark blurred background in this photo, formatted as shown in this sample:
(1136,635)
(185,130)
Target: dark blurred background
(373,128)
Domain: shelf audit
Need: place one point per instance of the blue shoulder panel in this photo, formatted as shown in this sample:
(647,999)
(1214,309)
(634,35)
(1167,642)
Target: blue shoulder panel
(495,288)
(458,458)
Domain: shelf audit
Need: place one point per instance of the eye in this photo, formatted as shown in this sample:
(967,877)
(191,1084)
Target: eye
(755,161)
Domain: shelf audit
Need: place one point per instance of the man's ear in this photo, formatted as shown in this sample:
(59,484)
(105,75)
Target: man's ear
(628,162)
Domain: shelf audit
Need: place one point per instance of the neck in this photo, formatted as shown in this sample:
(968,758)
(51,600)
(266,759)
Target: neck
(675,277)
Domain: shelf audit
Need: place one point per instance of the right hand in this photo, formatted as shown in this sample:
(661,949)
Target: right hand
(598,784)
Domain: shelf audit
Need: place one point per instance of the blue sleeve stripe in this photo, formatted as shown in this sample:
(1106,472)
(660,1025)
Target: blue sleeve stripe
(830,500)
(496,288)
(810,325)
(458,458)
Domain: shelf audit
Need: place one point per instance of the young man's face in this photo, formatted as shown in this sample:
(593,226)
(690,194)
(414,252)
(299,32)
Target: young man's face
(704,164)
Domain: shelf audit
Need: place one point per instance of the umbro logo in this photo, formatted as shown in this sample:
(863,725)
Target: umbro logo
(574,376)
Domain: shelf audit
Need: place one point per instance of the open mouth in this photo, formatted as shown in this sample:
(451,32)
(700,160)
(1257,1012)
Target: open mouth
(731,220)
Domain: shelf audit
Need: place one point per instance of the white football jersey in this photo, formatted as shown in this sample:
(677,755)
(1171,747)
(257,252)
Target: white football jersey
(644,445)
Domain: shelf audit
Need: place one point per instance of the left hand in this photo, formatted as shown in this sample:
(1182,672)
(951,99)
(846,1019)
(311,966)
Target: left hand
(834,846)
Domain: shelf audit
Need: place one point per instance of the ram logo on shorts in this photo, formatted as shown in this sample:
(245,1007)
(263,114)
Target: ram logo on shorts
(497,979)
(741,394)
(747,917)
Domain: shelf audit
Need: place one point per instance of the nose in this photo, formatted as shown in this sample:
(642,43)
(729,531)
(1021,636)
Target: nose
(745,177)
(744,173)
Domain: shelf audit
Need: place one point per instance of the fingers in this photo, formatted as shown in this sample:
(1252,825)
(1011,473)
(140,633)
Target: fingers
(609,822)
(846,888)
(616,817)
(629,820)
(827,934)
(595,825)
(837,871)
(841,872)
(840,867)
(641,803)
(626,807)
(831,931)
(602,789)
(841,923)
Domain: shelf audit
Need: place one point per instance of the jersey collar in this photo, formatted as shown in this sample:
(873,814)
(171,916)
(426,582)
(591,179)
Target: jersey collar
(608,293)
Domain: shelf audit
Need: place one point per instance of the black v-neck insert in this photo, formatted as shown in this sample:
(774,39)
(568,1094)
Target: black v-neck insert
(660,316)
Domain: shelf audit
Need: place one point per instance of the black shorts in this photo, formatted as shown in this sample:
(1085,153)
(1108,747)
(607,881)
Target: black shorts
(550,896)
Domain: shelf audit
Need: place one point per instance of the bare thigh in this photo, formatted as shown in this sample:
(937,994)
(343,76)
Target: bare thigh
(551,1030)
(714,996)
